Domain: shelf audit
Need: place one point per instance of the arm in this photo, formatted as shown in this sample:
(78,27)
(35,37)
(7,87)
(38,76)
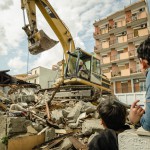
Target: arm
(136,112)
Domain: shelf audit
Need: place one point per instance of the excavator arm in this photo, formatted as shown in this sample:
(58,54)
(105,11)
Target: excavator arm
(38,40)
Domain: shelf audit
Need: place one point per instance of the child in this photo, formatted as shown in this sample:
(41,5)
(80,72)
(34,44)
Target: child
(113,116)
(136,112)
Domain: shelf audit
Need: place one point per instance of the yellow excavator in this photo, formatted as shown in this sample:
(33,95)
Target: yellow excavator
(81,73)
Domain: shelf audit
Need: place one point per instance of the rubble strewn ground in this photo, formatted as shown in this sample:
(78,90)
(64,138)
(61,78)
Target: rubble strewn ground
(68,125)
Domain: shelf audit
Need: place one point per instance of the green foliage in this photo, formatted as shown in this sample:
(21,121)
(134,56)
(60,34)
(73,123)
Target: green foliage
(4,140)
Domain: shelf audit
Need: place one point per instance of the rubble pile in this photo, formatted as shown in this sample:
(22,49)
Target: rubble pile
(64,124)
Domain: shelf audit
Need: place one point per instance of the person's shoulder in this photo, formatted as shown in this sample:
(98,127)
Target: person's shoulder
(105,140)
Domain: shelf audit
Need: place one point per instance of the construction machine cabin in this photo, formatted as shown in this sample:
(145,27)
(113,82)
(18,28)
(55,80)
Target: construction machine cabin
(81,73)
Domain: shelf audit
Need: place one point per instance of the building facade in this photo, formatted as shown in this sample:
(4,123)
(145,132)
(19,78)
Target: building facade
(43,76)
(117,38)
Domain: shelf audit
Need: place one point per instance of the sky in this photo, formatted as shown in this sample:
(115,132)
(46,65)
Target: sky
(78,15)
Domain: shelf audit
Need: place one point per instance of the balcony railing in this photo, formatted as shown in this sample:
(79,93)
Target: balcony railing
(120,56)
(125,72)
(116,73)
(135,70)
(125,89)
(137,16)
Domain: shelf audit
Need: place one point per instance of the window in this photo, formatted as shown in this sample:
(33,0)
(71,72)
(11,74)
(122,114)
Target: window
(96,66)
(34,80)
(35,71)
(142,86)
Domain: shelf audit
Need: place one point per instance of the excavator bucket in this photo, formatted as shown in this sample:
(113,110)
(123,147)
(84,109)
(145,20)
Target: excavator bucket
(41,43)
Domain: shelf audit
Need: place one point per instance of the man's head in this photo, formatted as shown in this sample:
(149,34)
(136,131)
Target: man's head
(143,53)
(113,114)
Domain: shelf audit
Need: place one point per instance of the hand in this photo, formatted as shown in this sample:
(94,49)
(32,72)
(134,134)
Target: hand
(136,112)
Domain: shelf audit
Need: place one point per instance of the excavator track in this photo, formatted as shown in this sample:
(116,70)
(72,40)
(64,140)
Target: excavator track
(74,92)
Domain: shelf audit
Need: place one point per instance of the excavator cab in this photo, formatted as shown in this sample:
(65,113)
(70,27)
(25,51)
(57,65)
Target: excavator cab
(86,67)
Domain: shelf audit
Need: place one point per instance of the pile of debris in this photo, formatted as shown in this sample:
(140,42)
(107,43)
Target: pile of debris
(64,124)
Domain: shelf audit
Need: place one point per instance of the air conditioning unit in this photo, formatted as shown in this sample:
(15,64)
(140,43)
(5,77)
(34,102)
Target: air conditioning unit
(141,10)
(143,26)
(124,33)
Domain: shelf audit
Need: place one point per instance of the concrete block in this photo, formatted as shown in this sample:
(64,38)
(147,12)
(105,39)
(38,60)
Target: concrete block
(66,111)
(57,116)
(17,125)
(49,134)
(88,107)
(91,126)
(2,131)
(66,144)
(74,114)
(130,140)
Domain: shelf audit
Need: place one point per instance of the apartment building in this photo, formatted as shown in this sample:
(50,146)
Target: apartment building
(43,76)
(116,40)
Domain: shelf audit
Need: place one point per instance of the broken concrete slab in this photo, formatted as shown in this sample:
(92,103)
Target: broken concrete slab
(66,111)
(75,125)
(88,107)
(49,134)
(129,140)
(66,144)
(57,116)
(91,126)
(17,125)
(74,114)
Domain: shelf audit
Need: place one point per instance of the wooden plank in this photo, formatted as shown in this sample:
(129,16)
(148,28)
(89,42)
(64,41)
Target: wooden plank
(77,144)
(25,142)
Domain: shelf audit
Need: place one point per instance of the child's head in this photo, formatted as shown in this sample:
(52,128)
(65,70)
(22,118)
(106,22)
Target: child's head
(113,114)
(143,53)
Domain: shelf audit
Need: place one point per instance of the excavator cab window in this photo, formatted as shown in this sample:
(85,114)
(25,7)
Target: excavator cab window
(79,65)
(96,66)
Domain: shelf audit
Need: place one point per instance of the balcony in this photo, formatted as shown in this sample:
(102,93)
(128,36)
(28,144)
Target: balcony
(122,39)
(136,19)
(106,60)
(125,72)
(124,55)
(105,44)
(116,73)
(135,70)
(120,56)
(108,75)
(142,34)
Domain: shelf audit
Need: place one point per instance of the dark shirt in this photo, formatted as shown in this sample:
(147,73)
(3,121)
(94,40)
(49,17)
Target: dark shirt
(105,140)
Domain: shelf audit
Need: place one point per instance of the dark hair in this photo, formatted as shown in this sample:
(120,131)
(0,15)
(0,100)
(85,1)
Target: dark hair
(112,113)
(106,140)
(143,50)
